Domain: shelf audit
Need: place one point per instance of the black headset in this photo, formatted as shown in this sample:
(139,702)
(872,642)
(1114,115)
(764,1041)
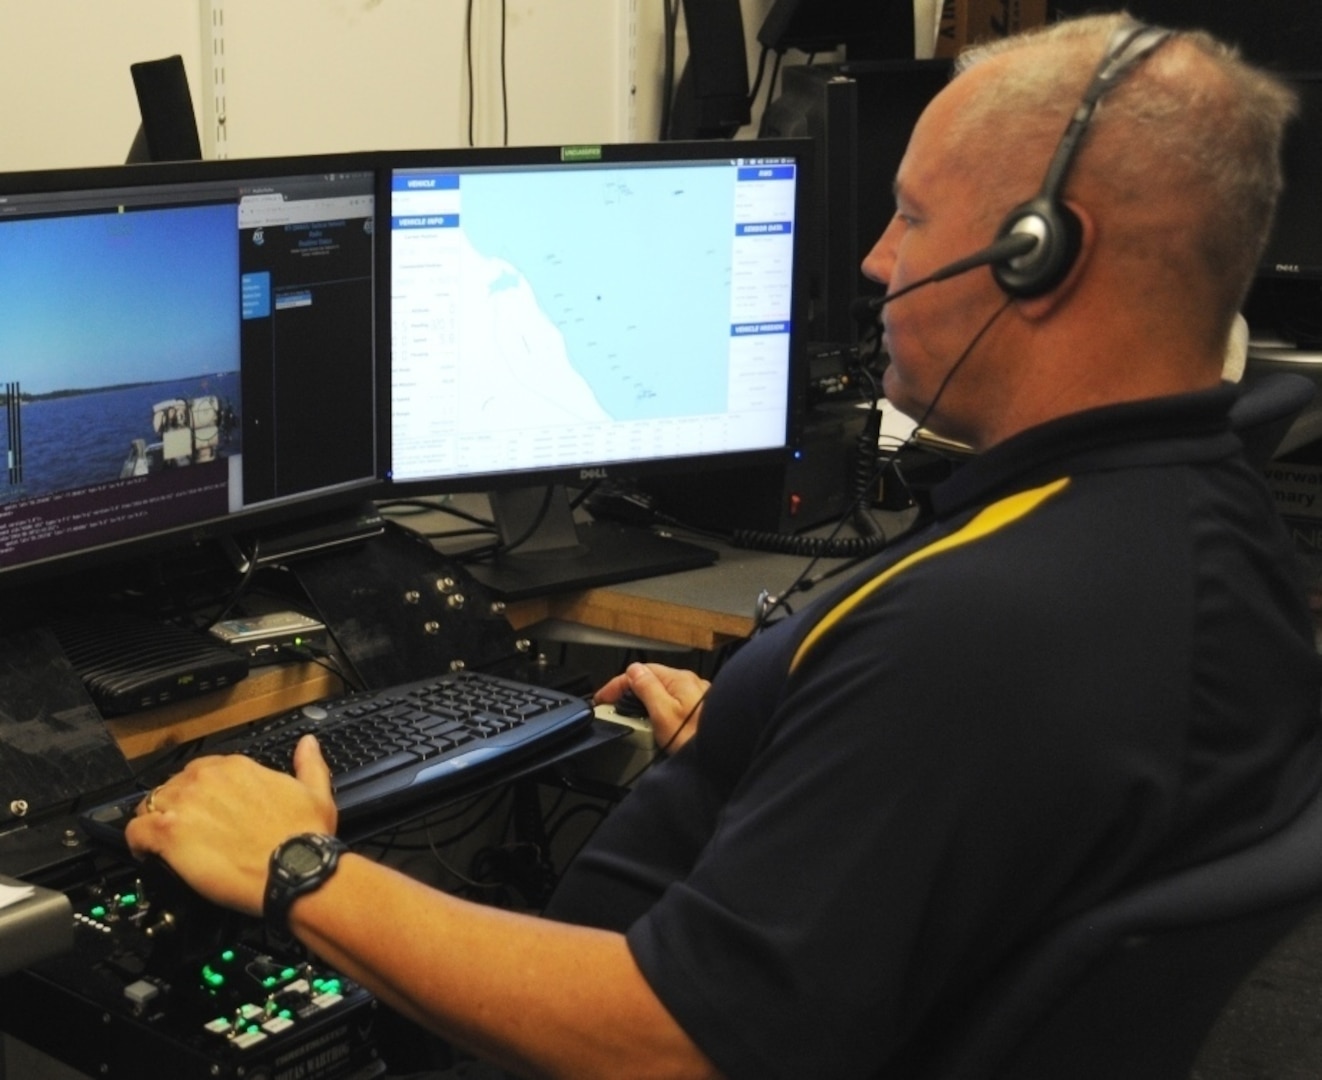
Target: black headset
(1039,240)
(1052,226)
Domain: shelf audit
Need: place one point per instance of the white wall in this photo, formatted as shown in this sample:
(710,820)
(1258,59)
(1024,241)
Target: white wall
(302,76)
(274,77)
(313,75)
(64,78)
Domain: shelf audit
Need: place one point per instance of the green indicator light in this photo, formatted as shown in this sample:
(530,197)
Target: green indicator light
(288,973)
(286,1014)
(212,978)
(129,899)
(99,912)
(333,986)
(227,956)
(269,982)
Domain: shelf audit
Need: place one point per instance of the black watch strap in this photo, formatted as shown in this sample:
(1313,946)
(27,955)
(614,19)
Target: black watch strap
(300,865)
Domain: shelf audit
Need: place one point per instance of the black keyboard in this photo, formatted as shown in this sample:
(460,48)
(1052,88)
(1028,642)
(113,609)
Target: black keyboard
(402,746)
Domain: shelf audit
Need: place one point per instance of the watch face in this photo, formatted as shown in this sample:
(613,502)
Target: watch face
(299,866)
(300,859)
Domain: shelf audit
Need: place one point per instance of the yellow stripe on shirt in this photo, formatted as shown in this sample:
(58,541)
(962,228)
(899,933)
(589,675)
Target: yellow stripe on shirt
(989,520)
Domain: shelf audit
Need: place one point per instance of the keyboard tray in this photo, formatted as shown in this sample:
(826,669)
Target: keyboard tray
(400,747)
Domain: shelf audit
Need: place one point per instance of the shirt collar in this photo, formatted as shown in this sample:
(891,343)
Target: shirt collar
(1193,427)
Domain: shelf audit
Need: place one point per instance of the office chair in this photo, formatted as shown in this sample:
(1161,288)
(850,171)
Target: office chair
(1132,988)
(1267,407)
(1270,1028)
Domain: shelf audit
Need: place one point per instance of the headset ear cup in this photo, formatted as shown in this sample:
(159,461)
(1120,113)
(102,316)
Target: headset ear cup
(1059,235)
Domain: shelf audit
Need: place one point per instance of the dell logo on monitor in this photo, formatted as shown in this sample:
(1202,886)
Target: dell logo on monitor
(592,474)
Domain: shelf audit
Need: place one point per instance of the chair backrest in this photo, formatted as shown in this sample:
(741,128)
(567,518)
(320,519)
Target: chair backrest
(1270,1025)
(1131,988)
(1267,407)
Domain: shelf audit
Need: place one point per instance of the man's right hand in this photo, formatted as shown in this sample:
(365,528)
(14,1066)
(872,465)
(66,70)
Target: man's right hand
(672,697)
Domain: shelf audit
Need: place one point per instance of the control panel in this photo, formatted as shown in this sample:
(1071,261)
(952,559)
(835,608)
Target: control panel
(160,983)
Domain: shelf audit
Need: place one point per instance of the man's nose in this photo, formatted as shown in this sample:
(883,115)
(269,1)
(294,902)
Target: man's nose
(878,263)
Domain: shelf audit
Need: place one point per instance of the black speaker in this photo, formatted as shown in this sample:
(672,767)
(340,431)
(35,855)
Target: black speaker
(817,484)
(859,115)
(711,97)
(819,102)
(168,131)
(881,30)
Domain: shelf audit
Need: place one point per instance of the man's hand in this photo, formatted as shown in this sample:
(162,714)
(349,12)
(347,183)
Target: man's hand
(672,697)
(217,822)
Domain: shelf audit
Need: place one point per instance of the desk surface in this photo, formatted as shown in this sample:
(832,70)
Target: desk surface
(700,609)
(266,690)
(695,609)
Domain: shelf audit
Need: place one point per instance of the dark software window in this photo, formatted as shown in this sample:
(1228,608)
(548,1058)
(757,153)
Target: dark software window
(306,266)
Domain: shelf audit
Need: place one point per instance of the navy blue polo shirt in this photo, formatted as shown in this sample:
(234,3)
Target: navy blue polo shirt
(1091,665)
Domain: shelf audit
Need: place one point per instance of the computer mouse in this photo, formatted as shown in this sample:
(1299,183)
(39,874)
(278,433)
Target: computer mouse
(629,704)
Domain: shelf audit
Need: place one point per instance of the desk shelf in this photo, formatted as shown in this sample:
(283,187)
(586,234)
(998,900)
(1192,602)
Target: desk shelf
(264,692)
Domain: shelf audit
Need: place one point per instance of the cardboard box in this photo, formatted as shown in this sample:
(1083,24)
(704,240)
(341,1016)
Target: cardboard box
(1296,488)
(965,22)
(1295,481)
(1306,533)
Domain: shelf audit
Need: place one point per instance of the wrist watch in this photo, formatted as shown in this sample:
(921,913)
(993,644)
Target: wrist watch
(302,864)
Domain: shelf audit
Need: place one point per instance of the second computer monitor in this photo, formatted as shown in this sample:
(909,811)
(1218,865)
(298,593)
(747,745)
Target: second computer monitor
(560,316)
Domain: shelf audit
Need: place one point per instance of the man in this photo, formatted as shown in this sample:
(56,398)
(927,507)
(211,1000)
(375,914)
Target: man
(1090,666)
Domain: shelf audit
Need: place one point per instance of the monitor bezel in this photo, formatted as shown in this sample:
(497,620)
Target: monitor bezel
(237,525)
(584,474)
(1293,252)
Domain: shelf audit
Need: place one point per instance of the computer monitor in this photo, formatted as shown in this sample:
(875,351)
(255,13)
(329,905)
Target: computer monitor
(566,315)
(859,115)
(186,354)
(1282,35)
(1285,304)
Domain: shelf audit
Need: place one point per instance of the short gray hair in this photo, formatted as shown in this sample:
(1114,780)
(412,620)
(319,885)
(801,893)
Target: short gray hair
(1197,123)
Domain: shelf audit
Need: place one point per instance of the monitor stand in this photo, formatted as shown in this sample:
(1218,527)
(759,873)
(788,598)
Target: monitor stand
(310,535)
(544,550)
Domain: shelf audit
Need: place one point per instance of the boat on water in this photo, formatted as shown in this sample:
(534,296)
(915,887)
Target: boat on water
(189,431)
